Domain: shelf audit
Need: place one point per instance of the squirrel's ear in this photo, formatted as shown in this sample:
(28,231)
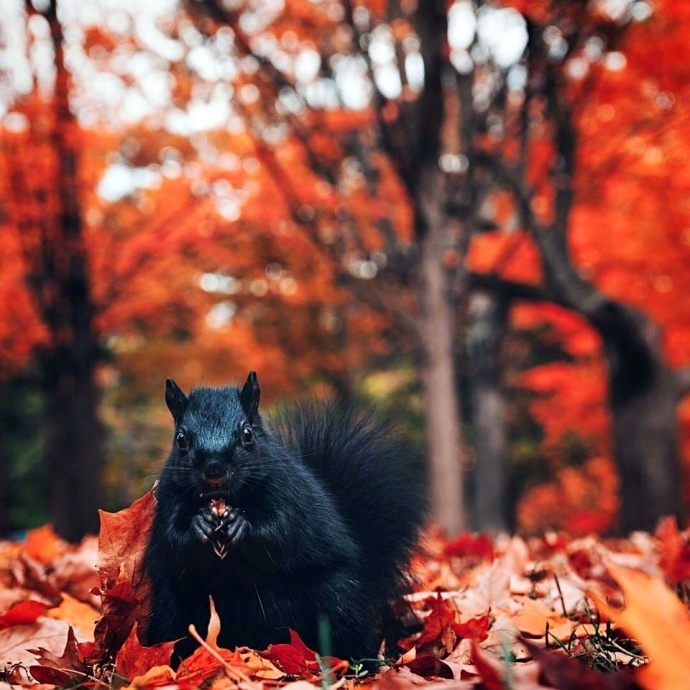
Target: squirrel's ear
(249,396)
(175,399)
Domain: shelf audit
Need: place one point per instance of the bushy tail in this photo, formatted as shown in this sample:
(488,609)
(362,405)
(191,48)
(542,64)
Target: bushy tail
(374,475)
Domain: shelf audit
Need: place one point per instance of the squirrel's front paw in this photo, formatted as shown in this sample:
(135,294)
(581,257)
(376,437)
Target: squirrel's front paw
(221,526)
(237,528)
(205,524)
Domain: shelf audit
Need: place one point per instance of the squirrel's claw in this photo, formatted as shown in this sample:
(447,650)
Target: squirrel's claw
(221,550)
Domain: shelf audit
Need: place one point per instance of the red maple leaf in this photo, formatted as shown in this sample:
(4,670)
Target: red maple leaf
(442,630)
(133,659)
(296,659)
(23,612)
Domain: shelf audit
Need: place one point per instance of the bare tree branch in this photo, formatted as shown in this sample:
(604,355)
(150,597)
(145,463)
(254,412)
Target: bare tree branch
(510,289)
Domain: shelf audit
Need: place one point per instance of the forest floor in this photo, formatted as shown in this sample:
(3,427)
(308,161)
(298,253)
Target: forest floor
(547,612)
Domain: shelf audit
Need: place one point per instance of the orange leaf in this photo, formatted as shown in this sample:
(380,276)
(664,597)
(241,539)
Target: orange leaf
(158,676)
(657,619)
(78,614)
(44,545)
(202,666)
(133,659)
(534,616)
(125,588)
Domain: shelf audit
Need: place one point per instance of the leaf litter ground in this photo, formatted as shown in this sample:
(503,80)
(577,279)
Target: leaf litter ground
(548,612)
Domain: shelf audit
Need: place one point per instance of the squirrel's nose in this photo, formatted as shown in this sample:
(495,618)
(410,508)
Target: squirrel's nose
(214,473)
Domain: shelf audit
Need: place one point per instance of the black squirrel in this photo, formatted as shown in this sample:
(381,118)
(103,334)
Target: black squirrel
(306,522)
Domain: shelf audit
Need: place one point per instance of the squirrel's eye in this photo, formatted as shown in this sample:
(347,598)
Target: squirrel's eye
(182,441)
(247,435)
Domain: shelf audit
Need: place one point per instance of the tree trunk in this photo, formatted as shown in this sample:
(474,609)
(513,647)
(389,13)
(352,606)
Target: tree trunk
(645,433)
(487,322)
(73,436)
(73,447)
(437,327)
(643,393)
(644,397)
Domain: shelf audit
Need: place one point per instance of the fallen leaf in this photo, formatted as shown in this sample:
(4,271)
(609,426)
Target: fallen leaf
(560,671)
(79,615)
(296,659)
(125,589)
(156,677)
(460,660)
(479,546)
(488,668)
(442,629)
(210,664)
(532,619)
(491,590)
(259,667)
(502,636)
(657,619)
(68,668)
(23,613)
(119,613)
(75,571)
(474,628)
(42,544)
(203,666)
(428,666)
(442,617)
(18,639)
(133,659)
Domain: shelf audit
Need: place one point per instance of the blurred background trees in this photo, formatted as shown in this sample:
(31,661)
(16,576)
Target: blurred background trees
(477,214)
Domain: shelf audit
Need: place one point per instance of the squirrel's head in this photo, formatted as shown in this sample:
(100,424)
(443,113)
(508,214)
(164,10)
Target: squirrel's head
(217,444)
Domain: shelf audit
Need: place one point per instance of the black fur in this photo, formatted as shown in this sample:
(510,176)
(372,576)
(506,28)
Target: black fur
(330,505)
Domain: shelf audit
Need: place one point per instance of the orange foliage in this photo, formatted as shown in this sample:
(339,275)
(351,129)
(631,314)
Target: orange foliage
(581,500)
